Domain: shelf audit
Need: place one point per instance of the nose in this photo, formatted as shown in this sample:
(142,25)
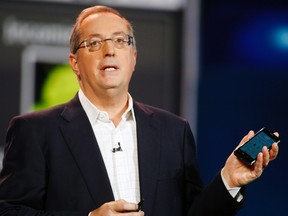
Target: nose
(108,48)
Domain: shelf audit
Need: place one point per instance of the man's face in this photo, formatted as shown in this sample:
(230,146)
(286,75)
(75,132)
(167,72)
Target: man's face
(108,69)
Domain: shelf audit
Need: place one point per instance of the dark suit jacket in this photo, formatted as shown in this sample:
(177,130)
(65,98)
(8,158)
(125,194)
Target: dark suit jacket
(53,166)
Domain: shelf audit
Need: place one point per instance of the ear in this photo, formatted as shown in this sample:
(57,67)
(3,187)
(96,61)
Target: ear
(135,58)
(74,65)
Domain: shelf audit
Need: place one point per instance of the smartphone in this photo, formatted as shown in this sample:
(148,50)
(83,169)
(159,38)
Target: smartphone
(248,152)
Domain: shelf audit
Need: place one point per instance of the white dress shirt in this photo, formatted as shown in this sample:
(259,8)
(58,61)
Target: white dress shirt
(118,146)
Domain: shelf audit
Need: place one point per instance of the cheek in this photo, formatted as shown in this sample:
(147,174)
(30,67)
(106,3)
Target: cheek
(130,67)
(132,62)
(89,67)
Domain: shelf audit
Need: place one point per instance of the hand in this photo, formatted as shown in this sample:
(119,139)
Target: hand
(237,174)
(119,207)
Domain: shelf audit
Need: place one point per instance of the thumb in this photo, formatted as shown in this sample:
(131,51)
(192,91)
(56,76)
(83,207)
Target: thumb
(246,138)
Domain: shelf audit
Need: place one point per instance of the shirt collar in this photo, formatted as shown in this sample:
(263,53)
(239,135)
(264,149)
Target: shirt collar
(95,114)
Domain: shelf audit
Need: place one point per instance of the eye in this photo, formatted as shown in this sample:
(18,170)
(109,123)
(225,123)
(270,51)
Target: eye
(119,40)
(95,42)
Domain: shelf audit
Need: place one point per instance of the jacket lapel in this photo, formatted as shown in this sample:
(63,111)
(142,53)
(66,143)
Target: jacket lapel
(84,148)
(148,138)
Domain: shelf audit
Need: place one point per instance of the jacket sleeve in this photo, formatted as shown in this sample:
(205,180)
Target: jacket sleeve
(214,199)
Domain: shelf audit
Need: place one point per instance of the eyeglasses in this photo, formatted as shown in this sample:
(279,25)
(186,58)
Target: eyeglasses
(96,43)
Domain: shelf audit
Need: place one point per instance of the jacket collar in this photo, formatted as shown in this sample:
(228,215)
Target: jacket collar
(84,148)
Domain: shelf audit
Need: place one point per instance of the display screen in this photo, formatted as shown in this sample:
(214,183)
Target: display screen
(255,145)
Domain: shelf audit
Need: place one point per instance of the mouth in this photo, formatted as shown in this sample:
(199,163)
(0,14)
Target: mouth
(109,68)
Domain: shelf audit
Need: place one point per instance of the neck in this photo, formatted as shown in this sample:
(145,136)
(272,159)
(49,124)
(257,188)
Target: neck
(114,105)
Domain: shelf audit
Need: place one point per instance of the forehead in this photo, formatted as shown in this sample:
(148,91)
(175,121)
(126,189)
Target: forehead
(103,24)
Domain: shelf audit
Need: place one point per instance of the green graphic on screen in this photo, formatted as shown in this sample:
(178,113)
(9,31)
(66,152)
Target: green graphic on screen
(58,85)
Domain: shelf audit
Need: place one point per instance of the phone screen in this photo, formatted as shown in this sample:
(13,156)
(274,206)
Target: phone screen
(255,145)
(249,151)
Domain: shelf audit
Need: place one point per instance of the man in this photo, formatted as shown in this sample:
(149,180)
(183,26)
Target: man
(102,152)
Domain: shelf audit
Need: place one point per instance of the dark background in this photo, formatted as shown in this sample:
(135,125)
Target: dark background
(157,76)
(243,77)
(242,86)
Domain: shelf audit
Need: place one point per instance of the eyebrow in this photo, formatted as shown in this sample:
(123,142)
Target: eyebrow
(101,36)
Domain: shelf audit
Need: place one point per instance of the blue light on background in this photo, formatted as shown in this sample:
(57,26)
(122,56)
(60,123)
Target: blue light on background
(243,85)
(261,40)
(281,38)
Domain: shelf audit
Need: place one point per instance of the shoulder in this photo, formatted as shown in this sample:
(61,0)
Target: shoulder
(51,113)
(159,114)
(40,115)
(48,116)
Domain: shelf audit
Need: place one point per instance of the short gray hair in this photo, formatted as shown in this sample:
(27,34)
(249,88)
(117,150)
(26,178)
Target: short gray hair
(76,32)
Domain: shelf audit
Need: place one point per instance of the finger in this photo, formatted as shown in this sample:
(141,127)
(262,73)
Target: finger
(266,157)
(274,151)
(246,138)
(276,134)
(130,207)
(124,206)
(250,134)
(258,166)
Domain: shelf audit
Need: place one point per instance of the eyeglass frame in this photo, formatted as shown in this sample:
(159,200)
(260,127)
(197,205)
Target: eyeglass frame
(129,41)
